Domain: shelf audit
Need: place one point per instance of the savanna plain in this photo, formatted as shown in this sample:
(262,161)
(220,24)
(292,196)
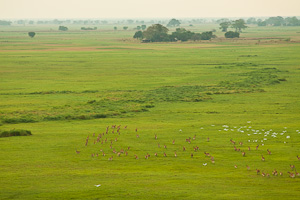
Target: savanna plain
(114,118)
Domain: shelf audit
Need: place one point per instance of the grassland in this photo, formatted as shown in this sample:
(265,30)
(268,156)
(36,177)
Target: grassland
(66,86)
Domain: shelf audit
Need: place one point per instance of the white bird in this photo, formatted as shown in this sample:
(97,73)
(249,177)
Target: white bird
(98,185)
(204,164)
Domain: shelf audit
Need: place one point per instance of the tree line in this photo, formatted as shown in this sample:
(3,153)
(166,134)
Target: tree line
(159,33)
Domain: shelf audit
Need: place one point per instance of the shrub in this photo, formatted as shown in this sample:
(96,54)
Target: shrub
(231,34)
(15,133)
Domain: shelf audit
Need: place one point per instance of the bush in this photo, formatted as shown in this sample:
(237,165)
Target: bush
(15,133)
(231,34)
(31,34)
(63,28)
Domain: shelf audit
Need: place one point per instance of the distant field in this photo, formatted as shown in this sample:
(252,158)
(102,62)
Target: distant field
(67,87)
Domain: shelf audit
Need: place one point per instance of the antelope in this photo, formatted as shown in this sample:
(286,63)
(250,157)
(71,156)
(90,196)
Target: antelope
(128,148)
(183,148)
(173,142)
(165,146)
(263,174)
(207,139)
(298,157)
(155,154)
(269,152)
(241,143)
(292,167)
(137,136)
(175,154)
(233,142)
(78,152)
(235,166)
(212,160)
(192,155)
(146,157)
(93,134)
(126,153)
(257,147)
(207,154)
(235,148)
(136,130)
(292,175)
(110,158)
(280,173)
(97,155)
(103,154)
(249,149)
(274,173)
(257,171)
(238,149)
(268,175)
(116,139)
(158,145)
(136,157)
(125,127)
(262,158)
(165,154)
(119,154)
(92,155)
(188,140)
(244,154)
(194,137)
(155,137)
(248,168)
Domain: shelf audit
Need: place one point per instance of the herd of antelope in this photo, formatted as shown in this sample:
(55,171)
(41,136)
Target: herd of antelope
(115,131)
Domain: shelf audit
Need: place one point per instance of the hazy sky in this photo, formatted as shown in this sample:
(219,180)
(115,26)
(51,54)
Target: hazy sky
(146,9)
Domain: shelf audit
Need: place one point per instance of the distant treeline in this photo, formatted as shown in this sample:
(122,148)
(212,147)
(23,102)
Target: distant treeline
(271,21)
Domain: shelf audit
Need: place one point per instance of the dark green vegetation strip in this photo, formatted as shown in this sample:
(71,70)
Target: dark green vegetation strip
(15,133)
(124,103)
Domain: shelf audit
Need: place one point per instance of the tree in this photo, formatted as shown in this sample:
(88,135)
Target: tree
(239,25)
(207,35)
(125,28)
(62,28)
(182,34)
(232,34)
(138,28)
(157,33)
(143,27)
(31,34)
(173,22)
(251,20)
(138,35)
(224,26)
(5,23)
(115,28)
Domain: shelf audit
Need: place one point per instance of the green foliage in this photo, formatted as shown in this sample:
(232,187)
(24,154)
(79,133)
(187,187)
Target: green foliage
(232,34)
(63,28)
(88,28)
(143,27)
(156,33)
(31,34)
(115,28)
(238,25)
(125,28)
(173,22)
(15,132)
(224,26)
(138,35)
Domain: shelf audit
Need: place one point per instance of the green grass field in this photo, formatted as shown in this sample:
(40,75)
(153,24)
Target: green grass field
(67,86)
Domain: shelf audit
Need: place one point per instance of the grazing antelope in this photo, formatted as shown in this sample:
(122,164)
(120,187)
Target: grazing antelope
(155,137)
(249,149)
(268,175)
(257,147)
(155,154)
(128,148)
(188,140)
(92,155)
(173,142)
(263,174)
(262,158)
(126,153)
(119,154)
(235,148)
(244,154)
(165,146)
(213,162)
(269,152)
(298,157)
(192,155)
(274,173)
(103,154)
(194,138)
(292,167)
(233,142)
(175,154)
(78,152)
(257,171)
(125,127)
(241,143)
(207,139)
(97,155)
(116,139)
(136,130)
(235,166)
(248,168)
(238,150)
(146,157)
(137,136)
(280,173)
(206,154)
(292,175)
(165,155)
(110,158)
(136,157)
(158,145)
(183,148)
